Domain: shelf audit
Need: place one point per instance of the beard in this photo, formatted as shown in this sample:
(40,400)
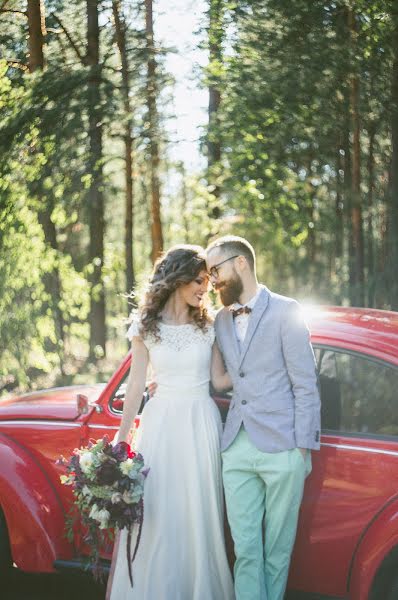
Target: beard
(230,290)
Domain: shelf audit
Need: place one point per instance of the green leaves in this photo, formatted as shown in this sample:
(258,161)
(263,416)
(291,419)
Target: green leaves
(279,148)
(284,124)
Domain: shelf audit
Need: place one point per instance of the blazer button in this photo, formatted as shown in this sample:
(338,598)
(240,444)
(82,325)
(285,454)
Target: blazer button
(244,401)
(241,374)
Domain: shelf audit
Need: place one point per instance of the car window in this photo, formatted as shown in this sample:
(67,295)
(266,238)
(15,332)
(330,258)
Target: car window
(359,395)
(117,398)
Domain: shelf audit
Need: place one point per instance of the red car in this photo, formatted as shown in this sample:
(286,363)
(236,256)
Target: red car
(347,541)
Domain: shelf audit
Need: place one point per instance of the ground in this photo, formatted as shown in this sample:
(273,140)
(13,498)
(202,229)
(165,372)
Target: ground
(23,586)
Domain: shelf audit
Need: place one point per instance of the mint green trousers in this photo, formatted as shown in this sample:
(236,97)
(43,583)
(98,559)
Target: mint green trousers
(263,493)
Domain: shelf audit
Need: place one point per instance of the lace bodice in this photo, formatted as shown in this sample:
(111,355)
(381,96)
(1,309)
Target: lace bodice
(181,358)
(176,337)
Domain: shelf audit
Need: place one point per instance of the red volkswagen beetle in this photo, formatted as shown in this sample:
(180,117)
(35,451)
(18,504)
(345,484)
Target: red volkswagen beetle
(347,541)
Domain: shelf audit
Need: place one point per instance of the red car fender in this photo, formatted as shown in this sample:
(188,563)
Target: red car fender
(377,542)
(32,509)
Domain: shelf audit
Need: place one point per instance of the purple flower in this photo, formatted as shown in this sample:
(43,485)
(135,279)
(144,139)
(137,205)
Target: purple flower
(75,466)
(121,451)
(124,484)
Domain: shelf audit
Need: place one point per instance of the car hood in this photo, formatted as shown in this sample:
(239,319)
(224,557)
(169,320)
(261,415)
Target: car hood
(55,403)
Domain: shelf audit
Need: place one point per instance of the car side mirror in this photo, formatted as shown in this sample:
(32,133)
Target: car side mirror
(83,405)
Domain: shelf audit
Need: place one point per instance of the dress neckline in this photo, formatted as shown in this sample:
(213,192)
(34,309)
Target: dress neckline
(173,325)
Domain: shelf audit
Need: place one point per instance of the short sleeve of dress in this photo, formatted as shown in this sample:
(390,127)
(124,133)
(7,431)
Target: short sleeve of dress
(133,330)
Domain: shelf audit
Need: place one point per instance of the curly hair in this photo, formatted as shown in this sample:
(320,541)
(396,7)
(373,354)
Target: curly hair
(178,266)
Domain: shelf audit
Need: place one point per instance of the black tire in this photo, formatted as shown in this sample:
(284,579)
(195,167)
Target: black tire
(5,550)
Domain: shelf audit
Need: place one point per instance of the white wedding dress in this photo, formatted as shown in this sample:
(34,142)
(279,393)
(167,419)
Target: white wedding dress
(181,555)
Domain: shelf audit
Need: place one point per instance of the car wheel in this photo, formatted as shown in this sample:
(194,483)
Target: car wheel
(5,551)
(393,593)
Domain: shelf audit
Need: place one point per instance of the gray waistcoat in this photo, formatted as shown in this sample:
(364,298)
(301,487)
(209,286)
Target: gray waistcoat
(275,391)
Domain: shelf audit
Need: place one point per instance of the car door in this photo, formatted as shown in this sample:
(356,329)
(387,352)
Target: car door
(353,475)
(107,420)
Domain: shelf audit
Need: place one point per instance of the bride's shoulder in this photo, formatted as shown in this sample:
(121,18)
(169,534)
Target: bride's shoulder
(133,330)
(134,326)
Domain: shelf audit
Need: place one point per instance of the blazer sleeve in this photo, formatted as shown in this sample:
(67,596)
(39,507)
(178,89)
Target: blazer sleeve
(301,367)
(217,324)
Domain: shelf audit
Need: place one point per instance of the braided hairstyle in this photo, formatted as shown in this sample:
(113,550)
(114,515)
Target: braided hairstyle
(177,267)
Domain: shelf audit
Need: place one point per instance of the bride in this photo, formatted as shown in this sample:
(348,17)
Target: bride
(181,554)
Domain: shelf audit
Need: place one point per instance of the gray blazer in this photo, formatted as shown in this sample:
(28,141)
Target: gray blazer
(275,385)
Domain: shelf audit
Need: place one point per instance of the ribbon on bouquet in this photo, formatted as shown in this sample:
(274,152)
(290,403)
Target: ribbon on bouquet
(130,559)
(129,536)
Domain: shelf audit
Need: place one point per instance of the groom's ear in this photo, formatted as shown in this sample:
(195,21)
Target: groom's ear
(242,263)
(209,260)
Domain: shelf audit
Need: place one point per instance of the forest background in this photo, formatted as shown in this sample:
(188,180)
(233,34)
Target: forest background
(299,155)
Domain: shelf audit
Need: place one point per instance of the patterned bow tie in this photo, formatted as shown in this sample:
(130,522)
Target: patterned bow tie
(240,311)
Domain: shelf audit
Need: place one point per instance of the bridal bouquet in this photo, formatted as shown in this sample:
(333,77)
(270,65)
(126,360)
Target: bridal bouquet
(108,488)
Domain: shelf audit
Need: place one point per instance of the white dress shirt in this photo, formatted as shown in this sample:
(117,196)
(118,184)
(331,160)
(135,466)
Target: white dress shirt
(241,322)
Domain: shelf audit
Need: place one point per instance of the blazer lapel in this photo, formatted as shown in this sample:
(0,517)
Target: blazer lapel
(257,313)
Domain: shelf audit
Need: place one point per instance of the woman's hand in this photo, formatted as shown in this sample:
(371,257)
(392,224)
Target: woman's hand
(151,387)
(220,379)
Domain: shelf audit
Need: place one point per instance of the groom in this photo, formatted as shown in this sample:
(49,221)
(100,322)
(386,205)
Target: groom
(273,419)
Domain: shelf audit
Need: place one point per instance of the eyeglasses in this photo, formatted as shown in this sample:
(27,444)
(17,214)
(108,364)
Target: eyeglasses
(213,272)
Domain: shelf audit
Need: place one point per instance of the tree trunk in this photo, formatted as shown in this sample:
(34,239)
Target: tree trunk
(339,213)
(371,279)
(393,196)
(120,28)
(336,245)
(347,186)
(153,132)
(95,195)
(52,279)
(357,263)
(309,274)
(213,137)
(184,203)
(214,143)
(36,26)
